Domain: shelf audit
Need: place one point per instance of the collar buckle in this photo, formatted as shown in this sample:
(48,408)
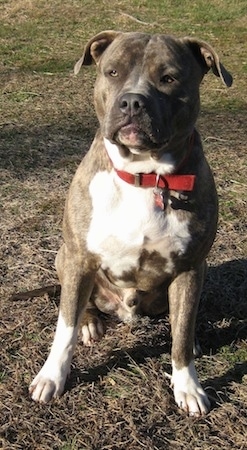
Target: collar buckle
(137,181)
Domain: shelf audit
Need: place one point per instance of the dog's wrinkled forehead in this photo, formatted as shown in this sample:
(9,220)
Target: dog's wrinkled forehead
(135,48)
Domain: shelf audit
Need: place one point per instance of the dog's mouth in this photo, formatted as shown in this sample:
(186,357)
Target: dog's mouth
(136,139)
(131,136)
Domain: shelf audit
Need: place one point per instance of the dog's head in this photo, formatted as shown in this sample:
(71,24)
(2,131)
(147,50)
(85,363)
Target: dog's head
(147,88)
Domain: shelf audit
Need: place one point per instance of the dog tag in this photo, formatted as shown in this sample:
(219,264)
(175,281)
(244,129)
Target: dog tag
(159,198)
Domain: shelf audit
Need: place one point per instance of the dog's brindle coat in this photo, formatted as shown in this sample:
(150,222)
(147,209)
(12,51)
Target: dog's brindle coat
(124,251)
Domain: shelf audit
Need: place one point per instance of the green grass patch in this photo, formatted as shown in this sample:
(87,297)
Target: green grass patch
(234,354)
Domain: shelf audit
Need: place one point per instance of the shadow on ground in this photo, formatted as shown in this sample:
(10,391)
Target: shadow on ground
(24,151)
(222,317)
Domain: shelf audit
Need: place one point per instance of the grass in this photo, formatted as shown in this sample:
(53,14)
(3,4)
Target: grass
(117,396)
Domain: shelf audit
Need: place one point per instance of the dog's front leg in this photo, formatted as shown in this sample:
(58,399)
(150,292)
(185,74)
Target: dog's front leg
(77,284)
(184,295)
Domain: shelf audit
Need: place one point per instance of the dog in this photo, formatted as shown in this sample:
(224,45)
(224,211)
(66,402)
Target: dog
(141,212)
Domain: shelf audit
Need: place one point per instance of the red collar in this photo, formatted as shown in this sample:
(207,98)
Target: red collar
(173,182)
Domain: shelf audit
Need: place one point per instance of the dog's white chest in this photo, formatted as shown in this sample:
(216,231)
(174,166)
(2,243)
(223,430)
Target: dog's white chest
(125,221)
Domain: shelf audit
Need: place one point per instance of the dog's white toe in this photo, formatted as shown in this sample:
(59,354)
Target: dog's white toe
(92,331)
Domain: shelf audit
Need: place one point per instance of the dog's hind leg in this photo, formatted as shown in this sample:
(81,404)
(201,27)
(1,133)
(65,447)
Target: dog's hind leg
(92,328)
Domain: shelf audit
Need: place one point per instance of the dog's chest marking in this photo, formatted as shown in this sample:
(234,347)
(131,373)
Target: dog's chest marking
(125,221)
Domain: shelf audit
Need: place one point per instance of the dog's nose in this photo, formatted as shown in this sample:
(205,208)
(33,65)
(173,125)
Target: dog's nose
(131,104)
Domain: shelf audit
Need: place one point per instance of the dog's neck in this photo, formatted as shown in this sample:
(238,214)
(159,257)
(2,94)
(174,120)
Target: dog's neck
(131,162)
(134,163)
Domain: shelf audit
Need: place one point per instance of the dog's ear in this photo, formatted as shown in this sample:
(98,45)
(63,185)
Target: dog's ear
(95,47)
(208,59)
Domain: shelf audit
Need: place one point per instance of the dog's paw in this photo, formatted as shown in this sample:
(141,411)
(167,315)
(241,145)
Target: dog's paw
(188,392)
(43,389)
(92,330)
(194,403)
(47,385)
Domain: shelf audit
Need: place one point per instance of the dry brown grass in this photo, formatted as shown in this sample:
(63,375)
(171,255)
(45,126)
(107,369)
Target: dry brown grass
(117,396)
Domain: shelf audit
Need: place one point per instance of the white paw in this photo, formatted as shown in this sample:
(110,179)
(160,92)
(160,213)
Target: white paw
(46,386)
(92,331)
(51,378)
(194,403)
(188,392)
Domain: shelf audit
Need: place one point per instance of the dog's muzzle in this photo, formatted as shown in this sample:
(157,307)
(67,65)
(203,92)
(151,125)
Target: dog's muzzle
(137,128)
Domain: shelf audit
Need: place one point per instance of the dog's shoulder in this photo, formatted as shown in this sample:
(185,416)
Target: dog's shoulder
(95,160)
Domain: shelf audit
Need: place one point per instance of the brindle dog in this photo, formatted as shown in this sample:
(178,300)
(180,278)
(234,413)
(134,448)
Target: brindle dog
(141,212)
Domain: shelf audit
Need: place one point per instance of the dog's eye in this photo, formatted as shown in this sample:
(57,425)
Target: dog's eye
(166,79)
(113,73)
